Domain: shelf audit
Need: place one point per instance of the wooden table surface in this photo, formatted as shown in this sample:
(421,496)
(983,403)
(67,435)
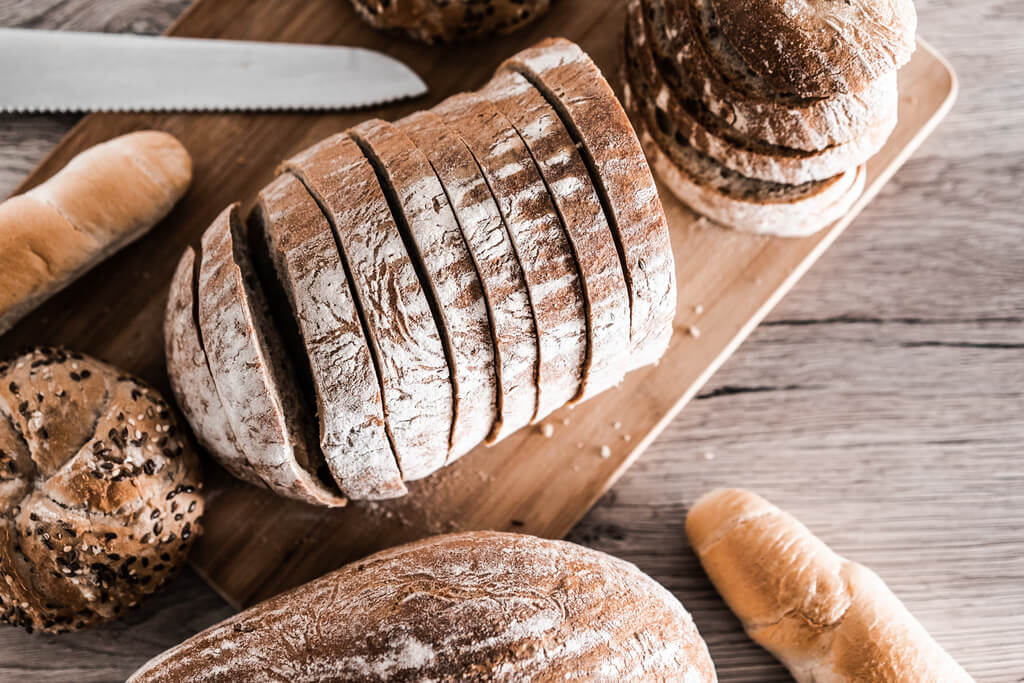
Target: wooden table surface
(881,402)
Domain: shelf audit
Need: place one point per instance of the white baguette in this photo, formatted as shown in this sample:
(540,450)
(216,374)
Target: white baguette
(827,619)
(105,198)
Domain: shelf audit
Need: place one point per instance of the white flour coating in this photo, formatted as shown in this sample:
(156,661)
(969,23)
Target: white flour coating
(349,406)
(453,280)
(244,354)
(513,331)
(479,605)
(571,81)
(191,381)
(415,380)
(542,249)
(586,224)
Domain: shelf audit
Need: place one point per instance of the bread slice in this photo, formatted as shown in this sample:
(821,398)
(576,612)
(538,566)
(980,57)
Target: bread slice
(714,137)
(566,178)
(191,381)
(300,245)
(552,277)
(513,331)
(575,88)
(400,328)
(689,45)
(447,273)
(251,370)
(731,199)
(819,48)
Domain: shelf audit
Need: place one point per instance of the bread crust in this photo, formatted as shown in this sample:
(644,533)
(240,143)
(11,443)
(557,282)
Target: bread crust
(251,371)
(349,405)
(542,247)
(513,331)
(820,48)
(100,496)
(824,617)
(448,274)
(572,192)
(799,123)
(191,381)
(713,137)
(584,100)
(470,606)
(444,21)
(105,198)
(415,379)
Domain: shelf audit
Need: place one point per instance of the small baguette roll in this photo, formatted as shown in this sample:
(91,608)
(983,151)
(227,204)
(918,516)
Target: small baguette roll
(105,198)
(826,618)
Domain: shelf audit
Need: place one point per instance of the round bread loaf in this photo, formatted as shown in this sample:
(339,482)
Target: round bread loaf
(99,491)
(470,606)
(445,21)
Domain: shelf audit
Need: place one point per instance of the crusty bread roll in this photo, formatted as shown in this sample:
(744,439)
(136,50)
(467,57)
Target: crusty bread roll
(99,492)
(105,198)
(463,607)
(826,618)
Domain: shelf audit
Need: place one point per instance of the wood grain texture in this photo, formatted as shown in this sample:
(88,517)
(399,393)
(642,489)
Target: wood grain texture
(880,402)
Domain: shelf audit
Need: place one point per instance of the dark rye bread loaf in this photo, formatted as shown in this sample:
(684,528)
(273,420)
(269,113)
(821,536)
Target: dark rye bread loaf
(99,491)
(552,276)
(568,183)
(252,370)
(712,136)
(513,331)
(443,21)
(191,381)
(584,100)
(447,273)
(300,245)
(413,372)
(725,196)
(689,42)
(819,48)
(470,606)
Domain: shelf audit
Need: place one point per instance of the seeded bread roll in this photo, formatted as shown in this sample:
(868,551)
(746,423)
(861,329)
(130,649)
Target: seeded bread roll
(99,492)
(105,198)
(824,617)
(820,48)
(470,606)
(445,21)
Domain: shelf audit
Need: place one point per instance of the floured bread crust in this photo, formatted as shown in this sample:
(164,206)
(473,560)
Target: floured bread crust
(584,100)
(100,496)
(469,606)
(444,21)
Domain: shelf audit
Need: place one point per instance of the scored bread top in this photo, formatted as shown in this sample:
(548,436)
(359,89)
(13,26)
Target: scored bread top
(469,606)
(820,48)
(568,182)
(712,136)
(413,371)
(251,369)
(513,331)
(574,86)
(434,21)
(551,272)
(305,257)
(695,50)
(191,381)
(450,281)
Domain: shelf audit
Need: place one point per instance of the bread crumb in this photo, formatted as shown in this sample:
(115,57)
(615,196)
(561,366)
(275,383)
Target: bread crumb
(693,331)
(627,437)
(698,309)
(606,452)
(547,429)
(708,455)
(616,425)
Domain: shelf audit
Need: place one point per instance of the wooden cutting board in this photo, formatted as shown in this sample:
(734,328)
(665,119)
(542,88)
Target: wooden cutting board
(540,480)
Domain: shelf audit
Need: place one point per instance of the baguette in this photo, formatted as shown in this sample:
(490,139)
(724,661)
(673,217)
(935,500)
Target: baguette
(824,617)
(105,198)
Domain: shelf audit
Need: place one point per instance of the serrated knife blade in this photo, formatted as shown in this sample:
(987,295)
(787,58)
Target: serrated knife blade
(59,71)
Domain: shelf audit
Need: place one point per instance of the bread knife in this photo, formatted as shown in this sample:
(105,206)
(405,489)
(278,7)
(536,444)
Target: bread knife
(60,71)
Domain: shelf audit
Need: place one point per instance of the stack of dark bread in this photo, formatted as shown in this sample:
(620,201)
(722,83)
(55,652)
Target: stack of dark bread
(406,291)
(761,115)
